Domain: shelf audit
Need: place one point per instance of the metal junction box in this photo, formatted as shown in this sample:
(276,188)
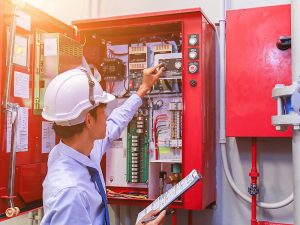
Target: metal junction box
(178,128)
(67,54)
(254,65)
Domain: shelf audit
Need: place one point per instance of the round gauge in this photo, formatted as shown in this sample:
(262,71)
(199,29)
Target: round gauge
(178,65)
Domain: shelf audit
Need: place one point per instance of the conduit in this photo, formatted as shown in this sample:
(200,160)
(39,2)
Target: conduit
(12,210)
(244,196)
(10,56)
(13,109)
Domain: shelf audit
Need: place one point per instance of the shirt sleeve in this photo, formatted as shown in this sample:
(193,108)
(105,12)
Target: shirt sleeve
(116,122)
(69,206)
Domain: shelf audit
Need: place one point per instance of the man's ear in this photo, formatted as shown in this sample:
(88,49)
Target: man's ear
(88,120)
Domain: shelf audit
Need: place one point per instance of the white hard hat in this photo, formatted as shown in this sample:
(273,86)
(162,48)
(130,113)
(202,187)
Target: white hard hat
(70,95)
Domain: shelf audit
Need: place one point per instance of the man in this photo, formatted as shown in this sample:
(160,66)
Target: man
(74,189)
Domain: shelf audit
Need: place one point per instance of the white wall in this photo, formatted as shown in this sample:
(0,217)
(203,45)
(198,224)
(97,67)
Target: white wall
(69,10)
(275,162)
(66,10)
(120,7)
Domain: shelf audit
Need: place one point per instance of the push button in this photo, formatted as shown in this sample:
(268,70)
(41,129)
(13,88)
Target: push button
(193,67)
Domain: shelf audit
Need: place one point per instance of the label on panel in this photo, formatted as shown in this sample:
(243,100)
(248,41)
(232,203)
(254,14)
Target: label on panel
(21,85)
(21,50)
(48,136)
(21,139)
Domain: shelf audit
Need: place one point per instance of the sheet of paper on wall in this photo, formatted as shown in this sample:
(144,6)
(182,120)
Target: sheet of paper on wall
(21,139)
(23,20)
(22,129)
(48,137)
(21,85)
(50,47)
(21,50)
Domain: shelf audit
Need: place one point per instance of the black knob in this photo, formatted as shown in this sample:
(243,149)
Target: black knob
(193,83)
(284,43)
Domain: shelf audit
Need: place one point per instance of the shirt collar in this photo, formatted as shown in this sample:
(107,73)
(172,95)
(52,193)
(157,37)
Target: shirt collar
(79,157)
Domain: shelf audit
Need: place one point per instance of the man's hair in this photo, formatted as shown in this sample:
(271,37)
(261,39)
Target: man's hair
(69,131)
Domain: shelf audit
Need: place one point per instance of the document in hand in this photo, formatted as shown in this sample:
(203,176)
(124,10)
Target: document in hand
(172,194)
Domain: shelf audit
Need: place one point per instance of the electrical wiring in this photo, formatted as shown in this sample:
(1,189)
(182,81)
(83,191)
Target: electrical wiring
(110,86)
(117,54)
(162,118)
(179,83)
(111,193)
(168,85)
(159,103)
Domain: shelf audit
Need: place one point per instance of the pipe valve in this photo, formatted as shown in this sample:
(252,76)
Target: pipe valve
(253,189)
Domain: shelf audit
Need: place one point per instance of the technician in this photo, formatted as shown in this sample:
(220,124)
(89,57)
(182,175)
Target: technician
(74,190)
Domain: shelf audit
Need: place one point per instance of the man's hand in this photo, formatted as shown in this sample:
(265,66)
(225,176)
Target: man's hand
(158,221)
(150,76)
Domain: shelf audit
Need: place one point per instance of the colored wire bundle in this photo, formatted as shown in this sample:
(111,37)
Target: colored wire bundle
(159,125)
(136,195)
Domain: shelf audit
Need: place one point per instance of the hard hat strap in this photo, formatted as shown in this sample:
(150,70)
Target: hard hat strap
(91,87)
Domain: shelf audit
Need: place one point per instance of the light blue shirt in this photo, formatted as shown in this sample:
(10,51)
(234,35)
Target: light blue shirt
(69,195)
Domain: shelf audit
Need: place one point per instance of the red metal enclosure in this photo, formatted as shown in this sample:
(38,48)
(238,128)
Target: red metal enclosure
(198,89)
(254,66)
(31,164)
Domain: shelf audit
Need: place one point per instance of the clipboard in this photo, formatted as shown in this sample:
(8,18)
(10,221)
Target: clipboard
(164,200)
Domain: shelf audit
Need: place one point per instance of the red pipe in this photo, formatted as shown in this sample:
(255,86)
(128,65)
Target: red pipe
(253,190)
(253,211)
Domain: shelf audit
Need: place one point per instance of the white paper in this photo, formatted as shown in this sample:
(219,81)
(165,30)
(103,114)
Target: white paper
(21,138)
(23,20)
(21,85)
(21,49)
(171,195)
(50,47)
(48,136)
